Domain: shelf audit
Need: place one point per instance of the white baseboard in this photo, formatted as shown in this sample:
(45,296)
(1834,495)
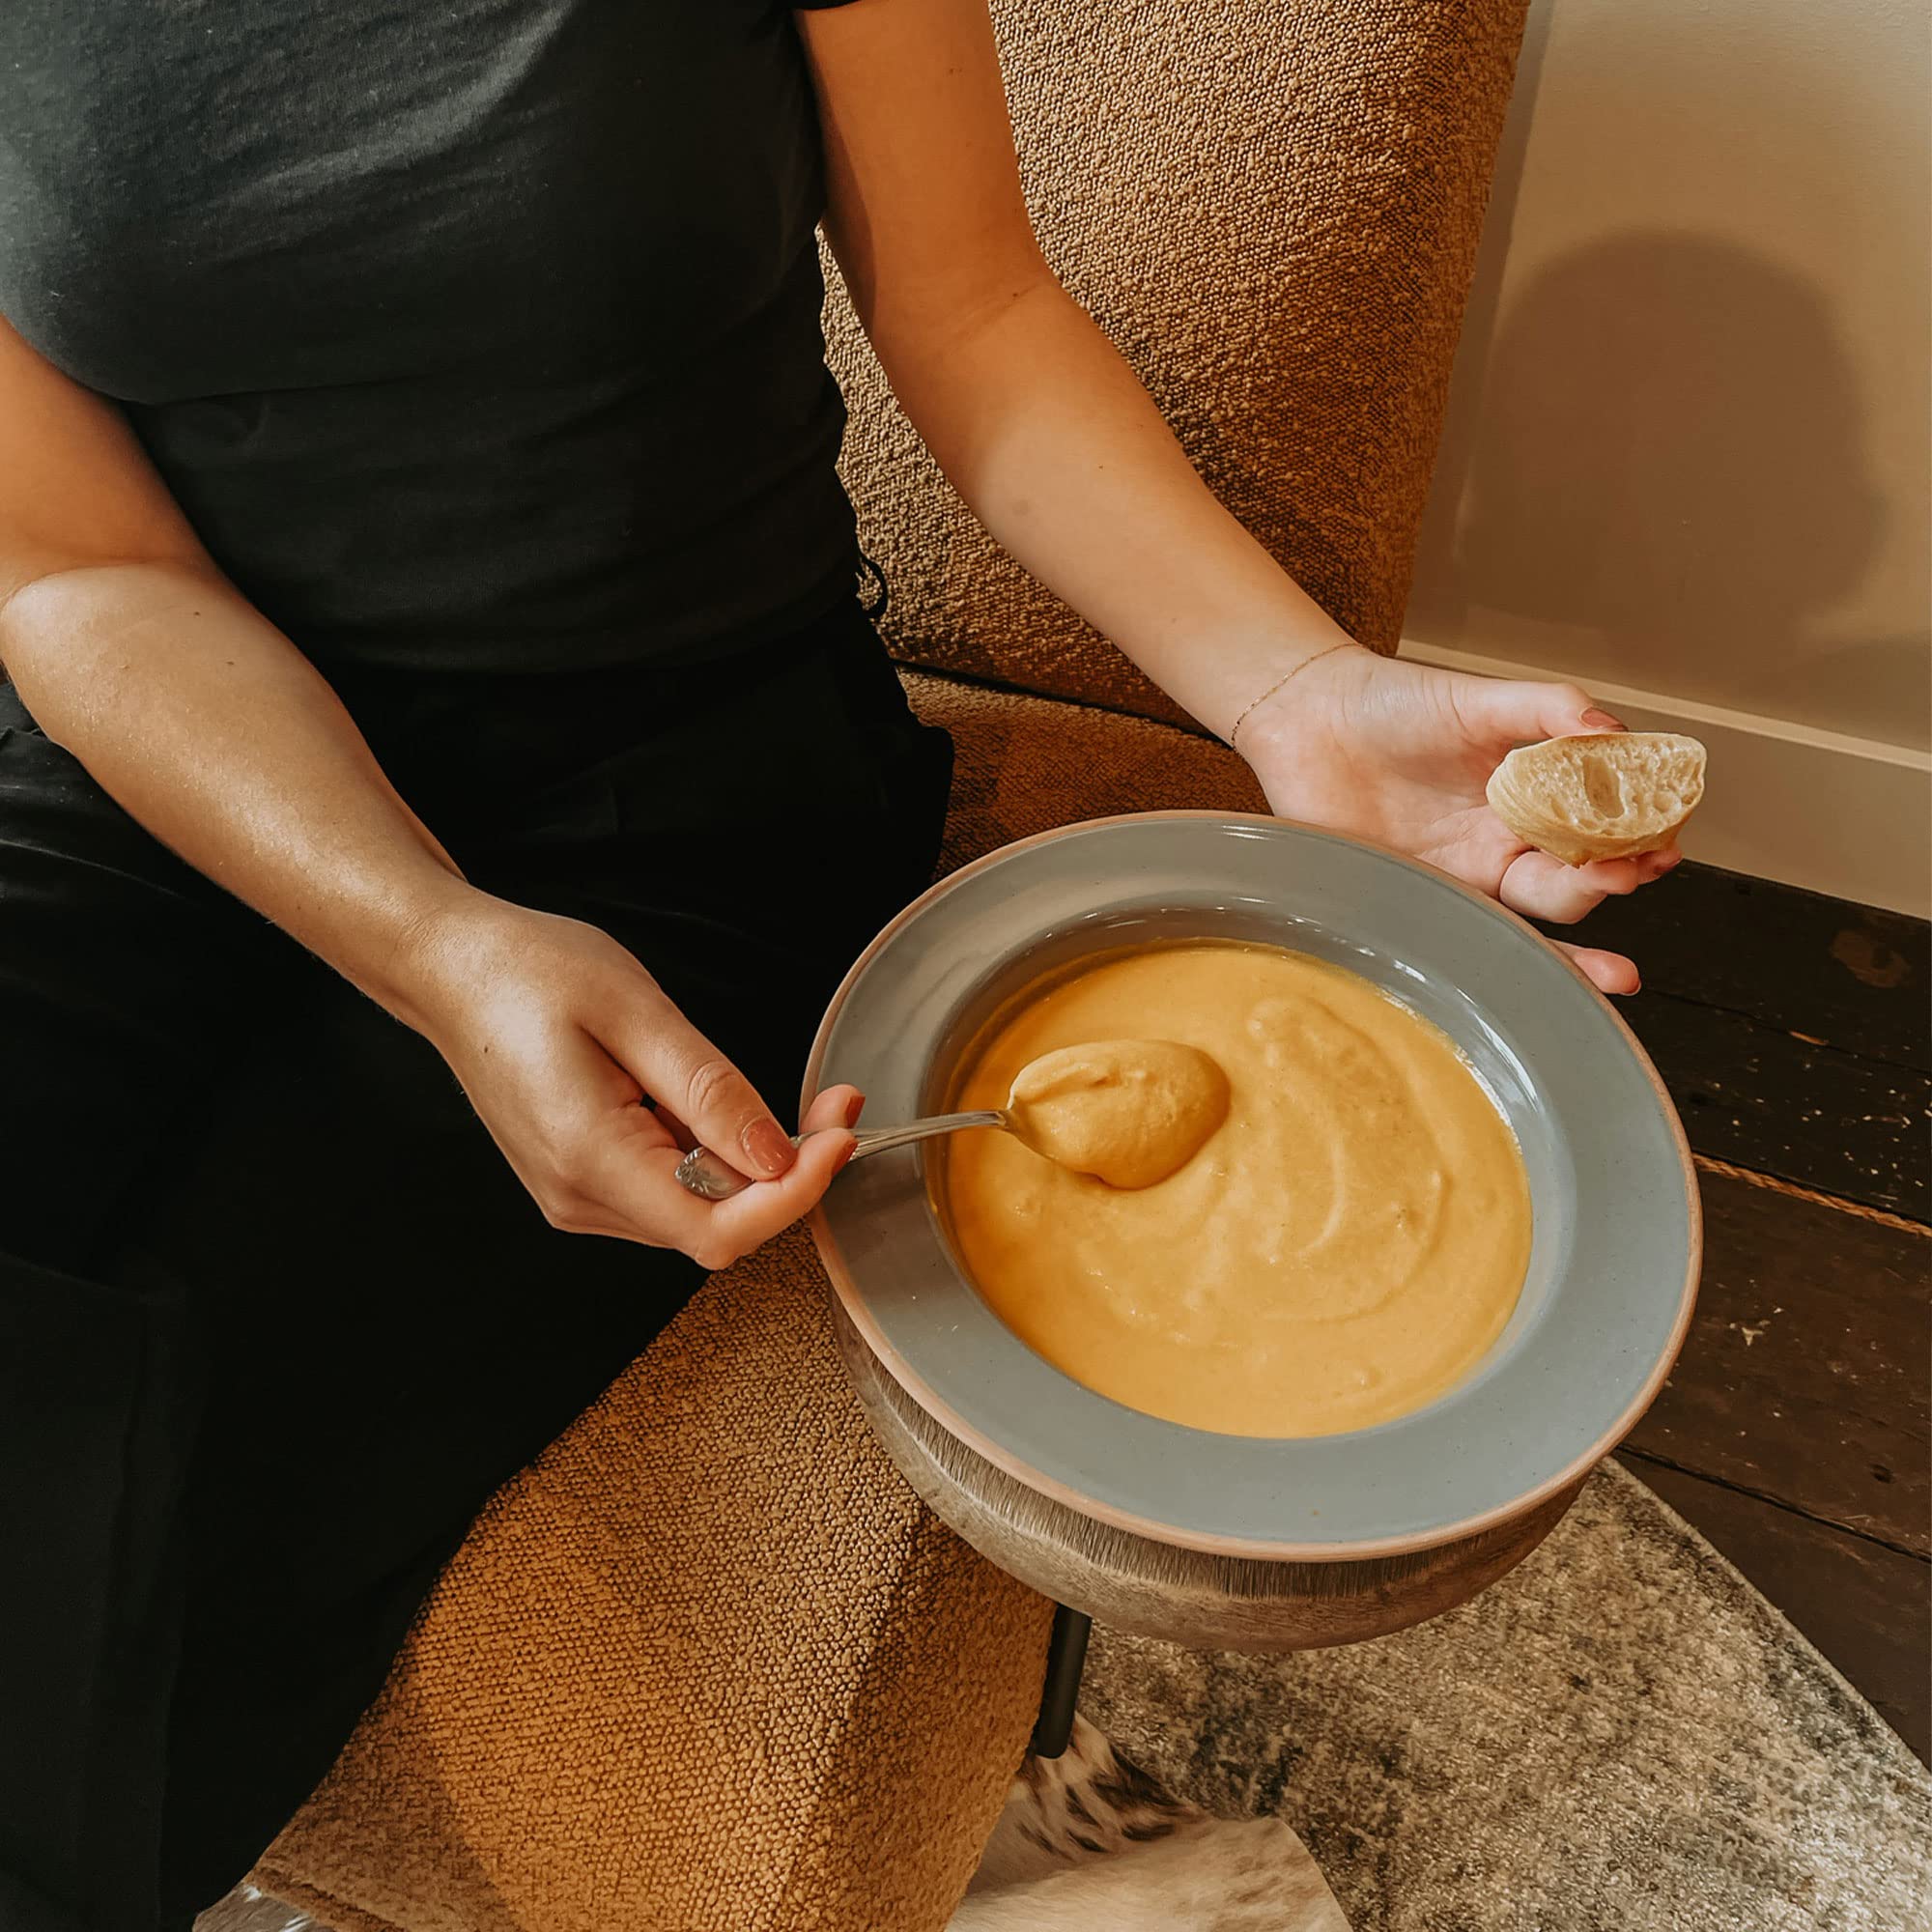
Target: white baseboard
(1849,816)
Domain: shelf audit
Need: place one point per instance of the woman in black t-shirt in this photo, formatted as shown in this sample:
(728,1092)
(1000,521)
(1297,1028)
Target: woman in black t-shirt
(428,598)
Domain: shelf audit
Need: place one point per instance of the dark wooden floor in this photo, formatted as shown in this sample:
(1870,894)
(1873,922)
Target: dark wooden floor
(1793,1034)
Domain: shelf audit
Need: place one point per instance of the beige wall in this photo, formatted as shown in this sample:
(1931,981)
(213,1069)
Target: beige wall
(1688,446)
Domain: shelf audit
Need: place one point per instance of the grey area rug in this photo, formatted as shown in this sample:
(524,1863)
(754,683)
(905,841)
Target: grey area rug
(1621,1736)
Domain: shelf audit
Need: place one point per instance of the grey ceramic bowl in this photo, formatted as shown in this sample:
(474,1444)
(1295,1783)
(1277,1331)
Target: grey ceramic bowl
(1615,1255)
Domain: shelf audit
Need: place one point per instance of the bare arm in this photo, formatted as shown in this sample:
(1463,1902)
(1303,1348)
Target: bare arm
(1028,408)
(185,706)
(210,727)
(1060,451)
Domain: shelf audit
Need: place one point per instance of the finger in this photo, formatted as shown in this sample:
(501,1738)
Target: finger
(748,1220)
(1653,866)
(1607,972)
(637,1197)
(629,1185)
(1608,878)
(1540,887)
(632,1191)
(685,1074)
(1525,712)
(836,1107)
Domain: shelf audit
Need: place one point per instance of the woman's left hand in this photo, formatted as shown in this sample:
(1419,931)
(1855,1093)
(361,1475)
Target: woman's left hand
(1400,753)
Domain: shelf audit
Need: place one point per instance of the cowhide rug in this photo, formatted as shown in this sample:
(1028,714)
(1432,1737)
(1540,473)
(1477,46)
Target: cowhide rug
(1089,1843)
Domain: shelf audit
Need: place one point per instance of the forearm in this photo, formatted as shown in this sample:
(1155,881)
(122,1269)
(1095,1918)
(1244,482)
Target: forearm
(211,729)
(1052,441)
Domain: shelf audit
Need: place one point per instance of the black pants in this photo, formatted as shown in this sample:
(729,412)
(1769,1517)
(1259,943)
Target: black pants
(275,1318)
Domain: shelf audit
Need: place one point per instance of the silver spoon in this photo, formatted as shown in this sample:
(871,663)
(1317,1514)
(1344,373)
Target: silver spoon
(711,1179)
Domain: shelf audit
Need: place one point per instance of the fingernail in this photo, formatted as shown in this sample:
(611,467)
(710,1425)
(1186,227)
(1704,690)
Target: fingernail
(854,1107)
(770,1151)
(838,1166)
(1602,721)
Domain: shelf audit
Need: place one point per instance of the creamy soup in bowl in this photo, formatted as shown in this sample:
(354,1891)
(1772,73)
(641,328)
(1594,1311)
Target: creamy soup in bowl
(1325,1235)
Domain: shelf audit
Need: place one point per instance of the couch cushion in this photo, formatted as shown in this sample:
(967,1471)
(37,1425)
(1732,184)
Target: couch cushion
(1273,206)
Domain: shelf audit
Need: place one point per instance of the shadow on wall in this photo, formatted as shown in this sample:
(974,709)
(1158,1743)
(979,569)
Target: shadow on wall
(1669,457)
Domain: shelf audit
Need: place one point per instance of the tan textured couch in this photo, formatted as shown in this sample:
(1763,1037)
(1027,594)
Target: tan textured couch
(708,1666)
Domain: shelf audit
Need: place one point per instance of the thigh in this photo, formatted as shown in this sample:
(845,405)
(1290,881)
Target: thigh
(124,986)
(274,1320)
(393,1328)
(396,1329)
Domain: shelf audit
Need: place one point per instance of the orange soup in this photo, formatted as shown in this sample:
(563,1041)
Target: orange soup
(1344,1246)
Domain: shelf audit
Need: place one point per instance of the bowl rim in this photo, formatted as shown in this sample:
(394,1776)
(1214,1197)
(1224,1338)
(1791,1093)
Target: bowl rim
(1209,1541)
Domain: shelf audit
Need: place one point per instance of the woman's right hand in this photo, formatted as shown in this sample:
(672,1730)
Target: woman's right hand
(557,1035)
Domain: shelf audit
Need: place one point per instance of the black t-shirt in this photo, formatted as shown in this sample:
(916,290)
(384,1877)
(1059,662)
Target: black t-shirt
(475,336)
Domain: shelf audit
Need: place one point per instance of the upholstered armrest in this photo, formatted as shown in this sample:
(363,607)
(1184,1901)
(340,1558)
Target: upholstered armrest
(708,1666)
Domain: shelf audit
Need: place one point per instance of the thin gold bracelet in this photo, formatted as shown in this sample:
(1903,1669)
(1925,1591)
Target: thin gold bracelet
(1348,644)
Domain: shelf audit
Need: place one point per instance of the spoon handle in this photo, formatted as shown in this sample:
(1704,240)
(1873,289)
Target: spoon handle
(711,1179)
(882,1140)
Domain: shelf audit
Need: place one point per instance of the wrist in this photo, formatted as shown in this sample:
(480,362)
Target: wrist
(431,948)
(1304,698)
(1262,713)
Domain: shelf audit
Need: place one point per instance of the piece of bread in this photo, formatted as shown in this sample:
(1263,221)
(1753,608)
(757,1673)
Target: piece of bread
(1609,795)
